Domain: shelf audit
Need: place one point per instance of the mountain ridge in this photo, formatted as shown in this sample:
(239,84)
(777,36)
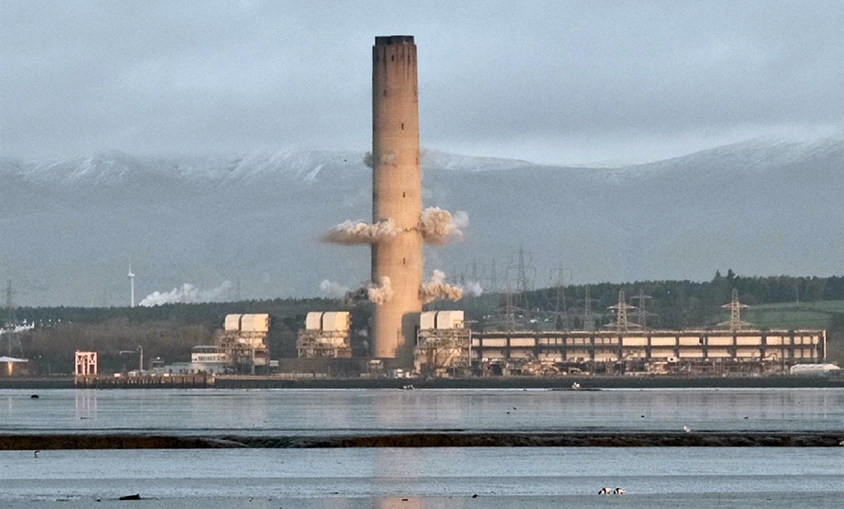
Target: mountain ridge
(75,224)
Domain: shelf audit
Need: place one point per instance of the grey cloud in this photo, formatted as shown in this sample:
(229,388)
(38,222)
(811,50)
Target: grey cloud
(534,80)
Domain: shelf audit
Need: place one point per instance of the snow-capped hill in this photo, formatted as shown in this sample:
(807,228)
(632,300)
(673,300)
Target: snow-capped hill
(303,166)
(114,169)
(76,224)
(101,171)
(749,158)
(436,160)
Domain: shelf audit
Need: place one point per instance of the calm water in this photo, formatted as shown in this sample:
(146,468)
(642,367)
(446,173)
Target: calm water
(359,411)
(426,475)
(429,478)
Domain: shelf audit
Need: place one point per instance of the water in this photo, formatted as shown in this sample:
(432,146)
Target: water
(432,477)
(325,412)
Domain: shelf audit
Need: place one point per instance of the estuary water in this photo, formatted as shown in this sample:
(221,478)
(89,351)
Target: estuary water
(425,478)
(431,478)
(327,412)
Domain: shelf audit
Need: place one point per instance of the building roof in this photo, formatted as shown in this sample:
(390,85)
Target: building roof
(12,359)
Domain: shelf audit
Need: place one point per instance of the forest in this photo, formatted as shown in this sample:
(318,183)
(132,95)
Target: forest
(170,331)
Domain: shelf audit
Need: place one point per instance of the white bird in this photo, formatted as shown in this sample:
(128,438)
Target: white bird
(687,429)
(36,453)
(605,491)
(619,491)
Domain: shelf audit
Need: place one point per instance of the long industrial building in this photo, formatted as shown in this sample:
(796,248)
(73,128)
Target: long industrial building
(653,350)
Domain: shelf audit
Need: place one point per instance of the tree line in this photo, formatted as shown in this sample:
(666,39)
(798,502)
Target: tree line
(170,331)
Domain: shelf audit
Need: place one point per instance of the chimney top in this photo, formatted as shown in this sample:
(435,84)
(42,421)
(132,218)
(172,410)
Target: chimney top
(390,40)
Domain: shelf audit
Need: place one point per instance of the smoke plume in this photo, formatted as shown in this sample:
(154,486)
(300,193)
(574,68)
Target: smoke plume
(438,226)
(359,232)
(436,288)
(333,289)
(379,294)
(187,293)
(386,158)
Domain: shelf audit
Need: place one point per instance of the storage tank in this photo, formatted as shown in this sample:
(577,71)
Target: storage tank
(815,370)
(233,323)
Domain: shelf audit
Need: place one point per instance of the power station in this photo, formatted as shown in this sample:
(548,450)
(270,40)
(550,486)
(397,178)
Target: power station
(405,341)
(396,193)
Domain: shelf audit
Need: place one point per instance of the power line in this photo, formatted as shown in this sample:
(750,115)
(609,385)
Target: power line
(735,323)
(642,313)
(622,322)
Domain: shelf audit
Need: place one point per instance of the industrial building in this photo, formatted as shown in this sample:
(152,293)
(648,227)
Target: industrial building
(326,334)
(243,341)
(12,366)
(652,351)
(443,345)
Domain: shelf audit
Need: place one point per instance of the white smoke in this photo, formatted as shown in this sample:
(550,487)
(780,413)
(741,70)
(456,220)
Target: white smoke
(333,289)
(382,293)
(472,288)
(187,293)
(377,293)
(359,232)
(436,288)
(438,226)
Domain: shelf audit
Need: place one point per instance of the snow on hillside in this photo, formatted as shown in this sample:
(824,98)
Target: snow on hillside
(759,207)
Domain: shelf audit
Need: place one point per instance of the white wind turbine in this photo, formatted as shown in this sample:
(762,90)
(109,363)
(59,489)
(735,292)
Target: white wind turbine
(131,287)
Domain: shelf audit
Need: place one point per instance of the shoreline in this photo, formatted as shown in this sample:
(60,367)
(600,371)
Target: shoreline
(561,383)
(69,441)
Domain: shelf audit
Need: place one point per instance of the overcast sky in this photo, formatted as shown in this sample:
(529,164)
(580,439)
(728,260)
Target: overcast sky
(548,81)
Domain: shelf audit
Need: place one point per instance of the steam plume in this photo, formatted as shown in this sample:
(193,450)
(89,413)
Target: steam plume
(379,294)
(438,226)
(436,288)
(359,232)
(186,293)
(333,289)
(472,288)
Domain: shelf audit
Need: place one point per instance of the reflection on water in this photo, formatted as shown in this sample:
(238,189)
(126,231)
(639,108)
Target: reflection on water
(86,405)
(359,411)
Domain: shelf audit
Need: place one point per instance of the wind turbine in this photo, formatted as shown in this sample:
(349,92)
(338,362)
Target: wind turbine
(131,287)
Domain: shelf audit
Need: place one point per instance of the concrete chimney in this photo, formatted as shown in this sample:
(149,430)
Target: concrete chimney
(396,194)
